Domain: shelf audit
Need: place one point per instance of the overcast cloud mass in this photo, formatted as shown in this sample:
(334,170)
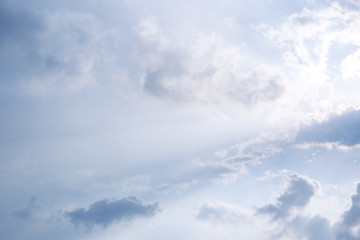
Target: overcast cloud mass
(179,120)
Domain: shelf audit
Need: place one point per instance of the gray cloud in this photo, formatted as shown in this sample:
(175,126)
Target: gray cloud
(341,128)
(297,195)
(106,212)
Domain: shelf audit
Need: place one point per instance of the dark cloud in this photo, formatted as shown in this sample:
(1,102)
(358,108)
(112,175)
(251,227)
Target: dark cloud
(297,195)
(105,212)
(344,129)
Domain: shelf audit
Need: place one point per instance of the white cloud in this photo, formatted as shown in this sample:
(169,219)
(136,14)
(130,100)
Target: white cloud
(320,52)
(308,36)
(193,66)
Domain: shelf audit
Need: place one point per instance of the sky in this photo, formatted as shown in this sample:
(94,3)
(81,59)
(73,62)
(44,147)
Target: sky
(179,120)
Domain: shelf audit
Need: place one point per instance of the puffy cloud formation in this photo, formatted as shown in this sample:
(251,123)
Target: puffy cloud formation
(300,226)
(193,66)
(343,129)
(297,194)
(318,227)
(105,212)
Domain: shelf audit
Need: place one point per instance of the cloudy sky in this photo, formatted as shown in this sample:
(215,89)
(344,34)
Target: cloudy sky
(149,119)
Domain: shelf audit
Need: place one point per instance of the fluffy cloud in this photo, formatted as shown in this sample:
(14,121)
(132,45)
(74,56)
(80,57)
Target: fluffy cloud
(106,212)
(297,194)
(193,66)
(342,129)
